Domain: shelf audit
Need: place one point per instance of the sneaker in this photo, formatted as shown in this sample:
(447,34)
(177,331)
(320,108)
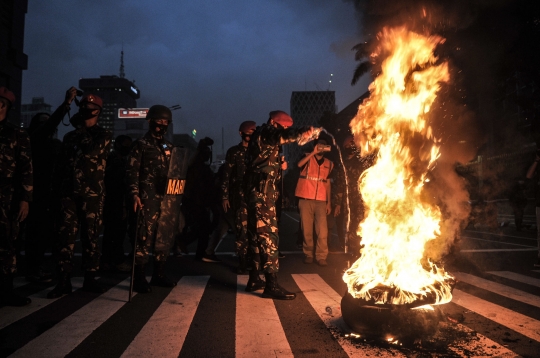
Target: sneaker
(537,263)
(308,260)
(210,258)
(280,255)
(322,262)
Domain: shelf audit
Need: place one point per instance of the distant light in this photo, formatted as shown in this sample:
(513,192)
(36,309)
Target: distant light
(331,74)
(194,133)
(134,90)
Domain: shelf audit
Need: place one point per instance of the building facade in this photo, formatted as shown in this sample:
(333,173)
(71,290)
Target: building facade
(116,93)
(307,108)
(12,58)
(28,111)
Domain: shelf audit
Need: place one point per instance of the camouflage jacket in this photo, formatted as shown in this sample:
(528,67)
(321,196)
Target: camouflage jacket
(262,155)
(354,167)
(233,171)
(15,163)
(148,167)
(115,183)
(82,161)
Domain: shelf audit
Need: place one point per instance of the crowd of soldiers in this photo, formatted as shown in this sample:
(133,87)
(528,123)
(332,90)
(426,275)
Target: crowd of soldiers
(76,187)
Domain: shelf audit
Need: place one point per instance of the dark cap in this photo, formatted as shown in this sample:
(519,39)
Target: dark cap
(7,94)
(92,98)
(247,126)
(159,111)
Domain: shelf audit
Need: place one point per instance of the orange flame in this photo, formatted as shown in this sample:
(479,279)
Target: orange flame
(391,123)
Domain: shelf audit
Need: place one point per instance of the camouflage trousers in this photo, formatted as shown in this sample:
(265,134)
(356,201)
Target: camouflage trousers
(80,215)
(262,229)
(147,240)
(9,232)
(241,221)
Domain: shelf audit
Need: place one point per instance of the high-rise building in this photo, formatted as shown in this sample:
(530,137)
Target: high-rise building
(116,92)
(12,58)
(28,111)
(307,108)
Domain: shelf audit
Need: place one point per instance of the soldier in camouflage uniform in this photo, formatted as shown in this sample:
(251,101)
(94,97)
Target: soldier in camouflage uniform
(15,194)
(354,167)
(232,194)
(80,174)
(115,208)
(262,173)
(147,170)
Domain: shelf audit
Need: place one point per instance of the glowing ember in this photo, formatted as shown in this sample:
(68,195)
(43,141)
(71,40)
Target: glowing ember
(392,123)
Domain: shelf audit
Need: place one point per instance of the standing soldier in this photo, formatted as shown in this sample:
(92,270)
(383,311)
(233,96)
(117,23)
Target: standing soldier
(262,172)
(42,223)
(354,167)
(232,194)
(81,169)
(147,170)
(115,208)
(15,194)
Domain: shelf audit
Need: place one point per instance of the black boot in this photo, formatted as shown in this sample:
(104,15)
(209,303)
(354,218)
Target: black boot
(139,280)
(159,278)
(241,270)
(90,283)
(274,290)
(8,296)
(63,287)
(254,283)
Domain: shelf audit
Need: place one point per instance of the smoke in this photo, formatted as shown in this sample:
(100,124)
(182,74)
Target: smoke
(466,114)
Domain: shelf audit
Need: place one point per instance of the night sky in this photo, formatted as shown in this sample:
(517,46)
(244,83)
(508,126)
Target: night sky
(224,62)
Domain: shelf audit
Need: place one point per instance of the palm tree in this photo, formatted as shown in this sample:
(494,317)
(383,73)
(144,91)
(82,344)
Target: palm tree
(361,53)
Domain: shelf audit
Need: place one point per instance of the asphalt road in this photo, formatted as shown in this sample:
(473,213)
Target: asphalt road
(495,309)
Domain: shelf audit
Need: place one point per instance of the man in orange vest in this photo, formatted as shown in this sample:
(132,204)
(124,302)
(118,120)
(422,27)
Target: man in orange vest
(313,191)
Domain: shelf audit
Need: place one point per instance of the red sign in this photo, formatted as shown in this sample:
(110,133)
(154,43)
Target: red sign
(132,112)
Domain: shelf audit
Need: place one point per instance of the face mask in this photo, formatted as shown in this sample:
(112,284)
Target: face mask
(86,113)
(154,128)
(123,150)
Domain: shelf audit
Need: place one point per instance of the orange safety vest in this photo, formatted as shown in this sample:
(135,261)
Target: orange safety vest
(312,181)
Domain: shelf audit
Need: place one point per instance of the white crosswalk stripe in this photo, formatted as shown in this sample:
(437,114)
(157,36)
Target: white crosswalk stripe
(259,335)
(517,277)
(518,322)
(39,300)
(499,289)
(176,313)
(262,334)
(66,335)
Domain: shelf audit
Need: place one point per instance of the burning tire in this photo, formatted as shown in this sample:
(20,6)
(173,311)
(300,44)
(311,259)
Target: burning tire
(385,322)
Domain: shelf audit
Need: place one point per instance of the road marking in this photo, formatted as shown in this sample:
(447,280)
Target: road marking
(499,289)
(39,300)
(165,332)
(525,325)
(260,334)
(504,235)
(290,217)
(66,335)
(517,277)
(498,242)
(498,250)
(327,303)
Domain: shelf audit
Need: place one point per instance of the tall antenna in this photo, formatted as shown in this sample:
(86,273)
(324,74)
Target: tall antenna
(122,74)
